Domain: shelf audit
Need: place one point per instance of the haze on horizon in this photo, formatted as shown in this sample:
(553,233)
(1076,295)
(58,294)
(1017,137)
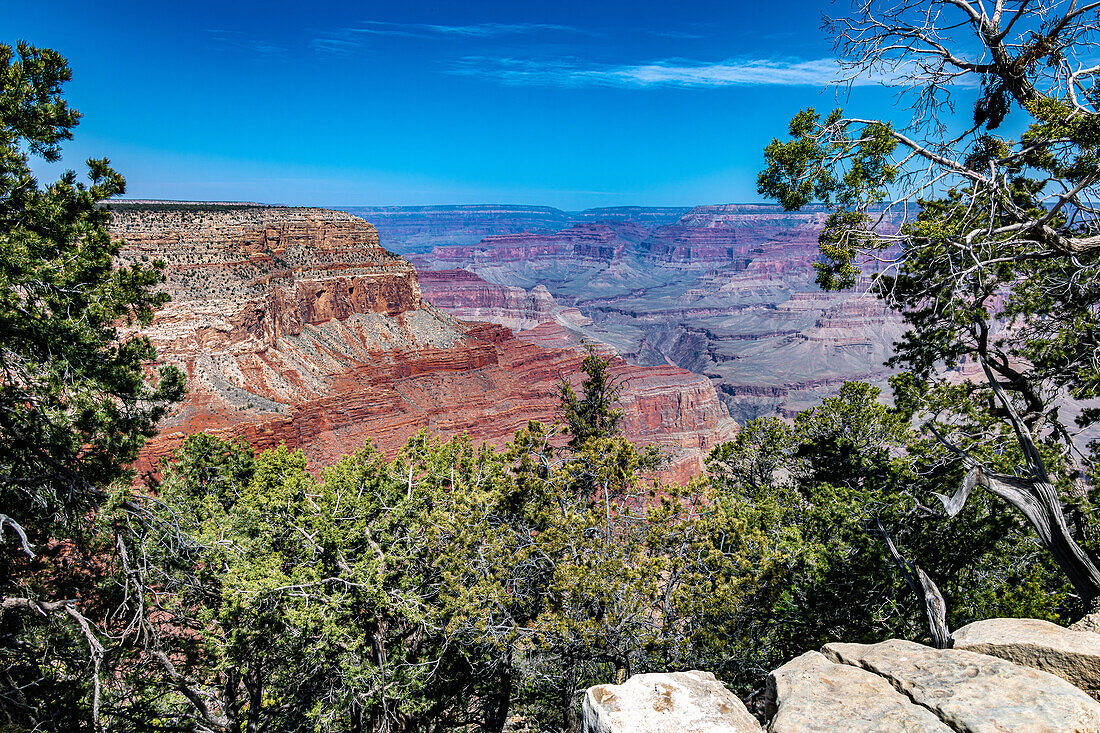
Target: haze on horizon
(572,105)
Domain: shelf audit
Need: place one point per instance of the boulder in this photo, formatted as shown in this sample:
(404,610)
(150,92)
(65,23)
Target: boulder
(688,702)
(1090,623)
(974,692)
(1072,655)
(811,693)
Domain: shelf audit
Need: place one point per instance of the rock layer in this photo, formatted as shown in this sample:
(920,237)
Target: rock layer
(724,291)
(1072,655)
(296,326)
(469,297)
(975,693)
(811,694)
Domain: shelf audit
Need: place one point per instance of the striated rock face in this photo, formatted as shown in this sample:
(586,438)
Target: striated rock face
(296,326)
(262,272)
(662,404)
(1072,655)
(724,291)
(469,297)
(691,702)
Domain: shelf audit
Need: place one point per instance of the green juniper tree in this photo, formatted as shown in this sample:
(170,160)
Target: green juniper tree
(594,413)
(447,588)
(795,521)
(76,405)
(984,233)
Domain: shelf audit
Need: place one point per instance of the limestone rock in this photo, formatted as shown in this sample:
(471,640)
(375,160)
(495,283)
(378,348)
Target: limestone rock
(974,692)
(688,702)
(1090,623)
(1072,655)
(811,693)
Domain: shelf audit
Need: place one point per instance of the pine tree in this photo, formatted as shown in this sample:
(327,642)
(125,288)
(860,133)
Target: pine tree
(76,402)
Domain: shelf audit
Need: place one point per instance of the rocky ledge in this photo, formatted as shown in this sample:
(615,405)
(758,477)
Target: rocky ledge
(1028,678)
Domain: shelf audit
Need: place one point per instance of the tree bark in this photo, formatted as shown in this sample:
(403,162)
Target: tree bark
(500,701)
(232,700)
(254,686)
(1034,496)
(927,593)
(355,714)
(570,715)
(1039,503)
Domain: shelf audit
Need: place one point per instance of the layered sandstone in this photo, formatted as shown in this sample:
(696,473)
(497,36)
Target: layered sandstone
(294,325)
(469,297)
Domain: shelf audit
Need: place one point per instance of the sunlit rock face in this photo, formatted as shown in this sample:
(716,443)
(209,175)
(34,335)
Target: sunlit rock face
(294,325)
(472,298)
(688,702)
(1011,675)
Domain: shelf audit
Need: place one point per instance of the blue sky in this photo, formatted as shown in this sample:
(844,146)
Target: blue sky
(568,104)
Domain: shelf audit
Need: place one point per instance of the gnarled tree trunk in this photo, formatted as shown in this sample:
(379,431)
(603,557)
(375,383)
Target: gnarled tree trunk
(1035,497)
(927,593)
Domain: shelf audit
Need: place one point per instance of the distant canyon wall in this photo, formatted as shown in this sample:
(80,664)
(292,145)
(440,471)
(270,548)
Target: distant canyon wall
(724,291)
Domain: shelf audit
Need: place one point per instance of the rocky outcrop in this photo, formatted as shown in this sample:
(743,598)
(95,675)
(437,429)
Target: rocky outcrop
(895,686)
(256,274)
(1089,622)
(296,326)
(689,702)
(811,693)
(1072,655)
(974,692)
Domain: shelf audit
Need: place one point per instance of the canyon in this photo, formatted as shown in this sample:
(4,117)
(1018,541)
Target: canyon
(295,325)
(725,291)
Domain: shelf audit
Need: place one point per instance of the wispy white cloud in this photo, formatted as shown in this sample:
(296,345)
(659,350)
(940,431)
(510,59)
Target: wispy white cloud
(238,40)
(476,30)
(573,72)
(677,35)
(345,39)
(332,46)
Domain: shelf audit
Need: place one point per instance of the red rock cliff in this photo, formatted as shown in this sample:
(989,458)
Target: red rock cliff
(295,326)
